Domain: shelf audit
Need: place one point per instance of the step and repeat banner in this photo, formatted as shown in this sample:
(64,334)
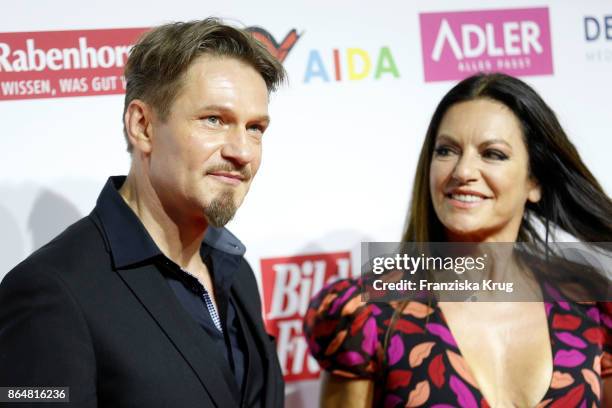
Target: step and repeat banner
(346,130)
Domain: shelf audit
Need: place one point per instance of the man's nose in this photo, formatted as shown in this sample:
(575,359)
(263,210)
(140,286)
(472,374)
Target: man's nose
(239,147)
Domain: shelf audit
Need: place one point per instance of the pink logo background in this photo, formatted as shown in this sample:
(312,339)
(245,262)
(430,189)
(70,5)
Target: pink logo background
(456,45)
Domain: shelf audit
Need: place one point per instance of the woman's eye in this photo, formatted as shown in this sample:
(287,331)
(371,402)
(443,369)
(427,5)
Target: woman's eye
(443,151)
(495,155)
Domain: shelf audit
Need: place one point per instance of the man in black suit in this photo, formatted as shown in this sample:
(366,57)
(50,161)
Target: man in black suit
(148,301)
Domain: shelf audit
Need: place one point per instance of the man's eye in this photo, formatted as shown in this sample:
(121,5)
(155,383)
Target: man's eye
(256,128)
(213,120)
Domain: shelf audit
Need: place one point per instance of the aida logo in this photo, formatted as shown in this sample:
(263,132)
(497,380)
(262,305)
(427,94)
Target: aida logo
(459,44)
(279,50)
(352,64)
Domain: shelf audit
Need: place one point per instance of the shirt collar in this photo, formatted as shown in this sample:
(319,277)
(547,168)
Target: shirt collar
(129,241)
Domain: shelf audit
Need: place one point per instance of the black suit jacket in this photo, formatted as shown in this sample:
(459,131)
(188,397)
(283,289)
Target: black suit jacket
(119,337)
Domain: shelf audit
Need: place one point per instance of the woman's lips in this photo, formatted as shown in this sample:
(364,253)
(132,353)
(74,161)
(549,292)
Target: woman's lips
(465,200)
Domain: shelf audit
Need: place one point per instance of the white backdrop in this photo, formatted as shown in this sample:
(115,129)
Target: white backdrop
(339,157)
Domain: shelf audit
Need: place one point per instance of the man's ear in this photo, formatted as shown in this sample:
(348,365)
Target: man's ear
(137,120)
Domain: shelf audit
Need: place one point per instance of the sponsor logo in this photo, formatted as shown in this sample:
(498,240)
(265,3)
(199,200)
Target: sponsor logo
(353,64)
(64,63)
(51,64)
(598,38)
(288,285)
(458,44)
(280,51)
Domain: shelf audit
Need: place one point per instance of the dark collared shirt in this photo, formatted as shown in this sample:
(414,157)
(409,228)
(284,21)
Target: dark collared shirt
(131,244)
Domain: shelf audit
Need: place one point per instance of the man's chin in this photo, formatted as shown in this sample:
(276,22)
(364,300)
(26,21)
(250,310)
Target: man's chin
(217,221)
(221,209)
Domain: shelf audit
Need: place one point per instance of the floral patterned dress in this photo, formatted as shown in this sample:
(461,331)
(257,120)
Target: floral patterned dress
(423,365)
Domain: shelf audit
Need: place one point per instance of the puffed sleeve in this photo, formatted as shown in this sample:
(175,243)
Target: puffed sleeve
(343,333)
(605,309)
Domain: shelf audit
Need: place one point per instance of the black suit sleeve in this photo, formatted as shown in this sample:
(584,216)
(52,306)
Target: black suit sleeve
(44,338)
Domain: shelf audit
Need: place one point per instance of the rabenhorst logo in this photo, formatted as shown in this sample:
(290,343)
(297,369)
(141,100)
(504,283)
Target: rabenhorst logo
(64,63)
(288,285)
(598,37)
(51,64)
(459,44)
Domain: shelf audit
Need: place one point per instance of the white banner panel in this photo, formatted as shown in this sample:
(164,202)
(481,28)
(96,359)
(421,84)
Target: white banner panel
(340,155)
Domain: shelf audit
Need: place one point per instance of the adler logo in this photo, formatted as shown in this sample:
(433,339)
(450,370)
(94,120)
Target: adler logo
(458,44)
(288,285)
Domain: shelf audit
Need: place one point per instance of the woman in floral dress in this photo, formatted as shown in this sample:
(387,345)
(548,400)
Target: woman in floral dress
(494,159)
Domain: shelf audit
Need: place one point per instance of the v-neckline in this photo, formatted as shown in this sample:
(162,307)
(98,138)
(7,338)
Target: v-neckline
(548,306)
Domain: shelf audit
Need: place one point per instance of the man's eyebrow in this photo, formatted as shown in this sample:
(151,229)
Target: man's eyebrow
(225,109)
(262,118)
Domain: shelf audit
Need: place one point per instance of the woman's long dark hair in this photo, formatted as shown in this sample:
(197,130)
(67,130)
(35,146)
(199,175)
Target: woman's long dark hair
(572,199)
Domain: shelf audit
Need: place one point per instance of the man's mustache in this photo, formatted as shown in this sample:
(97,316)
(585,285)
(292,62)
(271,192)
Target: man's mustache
(244,171)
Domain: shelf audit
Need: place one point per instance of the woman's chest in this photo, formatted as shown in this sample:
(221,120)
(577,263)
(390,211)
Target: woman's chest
(551,355)
(506,348)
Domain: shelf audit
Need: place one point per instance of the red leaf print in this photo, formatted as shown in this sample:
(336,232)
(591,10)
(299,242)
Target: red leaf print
(484,403)
(310,316)
(325,328)
(606,306)
(360,319)
(335,343)
(406,326)
(594,335)
(398,378)
(436,371)
(606,364)
(341,285)
(571,399)
(566,322)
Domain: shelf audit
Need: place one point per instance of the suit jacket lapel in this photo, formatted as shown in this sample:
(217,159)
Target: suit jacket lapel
(149,286)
